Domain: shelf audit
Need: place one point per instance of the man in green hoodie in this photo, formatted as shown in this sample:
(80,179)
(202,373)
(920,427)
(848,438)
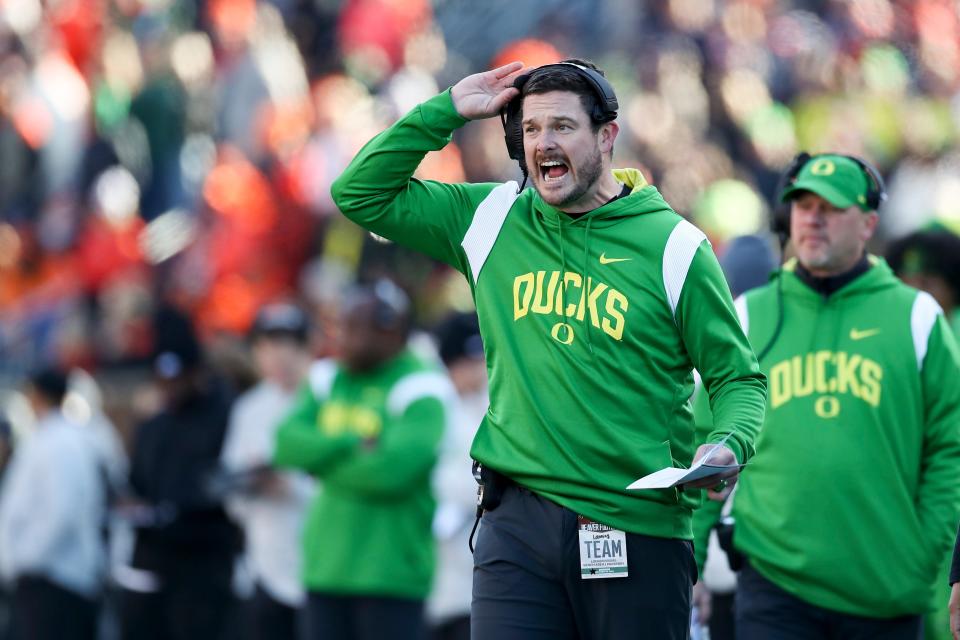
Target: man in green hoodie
(846,512)
(595,302)
(368,425)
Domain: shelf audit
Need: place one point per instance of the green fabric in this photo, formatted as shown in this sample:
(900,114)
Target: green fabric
(851,502)
(368,531)
(590,370)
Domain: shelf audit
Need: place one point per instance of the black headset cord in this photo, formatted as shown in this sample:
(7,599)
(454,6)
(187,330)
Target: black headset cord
(783,237)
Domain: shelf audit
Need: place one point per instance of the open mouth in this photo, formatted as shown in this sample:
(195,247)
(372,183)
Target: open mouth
(553,171)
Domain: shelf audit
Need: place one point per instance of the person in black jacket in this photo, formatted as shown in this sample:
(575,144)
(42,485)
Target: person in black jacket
(180,583)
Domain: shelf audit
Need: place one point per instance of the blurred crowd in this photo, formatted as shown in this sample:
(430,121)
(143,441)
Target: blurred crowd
(180,152)
(183,151)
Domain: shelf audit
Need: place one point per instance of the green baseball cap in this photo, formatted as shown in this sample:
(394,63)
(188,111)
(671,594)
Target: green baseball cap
(837,179)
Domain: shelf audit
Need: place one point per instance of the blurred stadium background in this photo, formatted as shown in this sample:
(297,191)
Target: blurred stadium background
(183,150)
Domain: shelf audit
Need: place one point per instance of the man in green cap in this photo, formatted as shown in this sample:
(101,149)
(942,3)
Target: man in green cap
(846,513)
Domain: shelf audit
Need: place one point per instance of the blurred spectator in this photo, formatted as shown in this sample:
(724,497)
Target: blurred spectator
(52,514)
(930,261)
(369,426)
(271,506)
(747,262)
(188,148)
(461,349)
(179,586)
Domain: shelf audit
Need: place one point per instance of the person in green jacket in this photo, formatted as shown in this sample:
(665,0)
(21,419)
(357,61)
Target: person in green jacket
(595,302)
(846,512)
(368,426)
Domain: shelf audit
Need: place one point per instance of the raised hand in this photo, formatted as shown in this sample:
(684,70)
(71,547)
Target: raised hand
(483,95)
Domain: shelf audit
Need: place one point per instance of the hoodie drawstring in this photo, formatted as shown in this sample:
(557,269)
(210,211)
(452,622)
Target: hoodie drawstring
(586,277)
(563,276)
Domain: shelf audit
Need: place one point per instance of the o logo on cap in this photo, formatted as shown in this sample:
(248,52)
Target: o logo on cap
(822,167)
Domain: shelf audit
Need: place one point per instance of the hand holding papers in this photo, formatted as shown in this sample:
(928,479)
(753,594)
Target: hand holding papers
(716,464)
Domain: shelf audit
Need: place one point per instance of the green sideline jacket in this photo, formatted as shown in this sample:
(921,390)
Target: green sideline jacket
(591,326)
(372,439)
(853,497)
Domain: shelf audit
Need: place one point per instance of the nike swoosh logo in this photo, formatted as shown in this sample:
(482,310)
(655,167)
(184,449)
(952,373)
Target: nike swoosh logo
(605,260)
(860,335)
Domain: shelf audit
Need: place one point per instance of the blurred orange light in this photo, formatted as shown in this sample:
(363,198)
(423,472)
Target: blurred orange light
(10,246)
(530,51)
(937,20)
(33,121)
(233,19)
(239,192)
(445,165)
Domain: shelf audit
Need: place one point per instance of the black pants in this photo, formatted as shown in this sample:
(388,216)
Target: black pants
(721,619)
(191,605)
(44,611)
(270,619)
(527,584)
(362,618)
(453,629)
(766,612)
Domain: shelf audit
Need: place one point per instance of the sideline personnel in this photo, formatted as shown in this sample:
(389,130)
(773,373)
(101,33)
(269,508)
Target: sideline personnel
(846,512)
(595,302)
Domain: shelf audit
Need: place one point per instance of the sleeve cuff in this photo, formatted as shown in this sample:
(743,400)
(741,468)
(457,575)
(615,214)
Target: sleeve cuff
(439,113)
(731,443)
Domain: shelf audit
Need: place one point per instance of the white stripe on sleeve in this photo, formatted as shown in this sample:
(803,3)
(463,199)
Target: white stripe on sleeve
(487,222)
(677,257)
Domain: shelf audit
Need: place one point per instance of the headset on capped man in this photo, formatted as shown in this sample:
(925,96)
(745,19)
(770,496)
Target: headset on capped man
(780,220)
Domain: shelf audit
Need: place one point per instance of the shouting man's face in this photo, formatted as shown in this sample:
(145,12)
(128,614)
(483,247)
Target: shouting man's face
(564,154)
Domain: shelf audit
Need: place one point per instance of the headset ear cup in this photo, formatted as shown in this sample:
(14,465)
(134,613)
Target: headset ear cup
(513,133)
(512,129)
(780,217)
(877,191)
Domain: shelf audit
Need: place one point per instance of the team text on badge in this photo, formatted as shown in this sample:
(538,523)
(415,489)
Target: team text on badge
(603,550)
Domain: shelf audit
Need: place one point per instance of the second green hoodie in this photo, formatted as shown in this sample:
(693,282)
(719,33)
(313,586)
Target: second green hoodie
(591,326)
(852,499)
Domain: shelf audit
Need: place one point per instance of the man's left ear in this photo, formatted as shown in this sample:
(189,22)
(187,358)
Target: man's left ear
(608,134)
(871,224)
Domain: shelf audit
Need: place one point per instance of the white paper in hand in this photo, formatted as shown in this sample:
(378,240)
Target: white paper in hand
(673,476)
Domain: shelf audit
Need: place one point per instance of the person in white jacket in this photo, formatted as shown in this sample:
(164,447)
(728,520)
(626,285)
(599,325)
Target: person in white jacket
(52,516)
(448,608)
(270,505)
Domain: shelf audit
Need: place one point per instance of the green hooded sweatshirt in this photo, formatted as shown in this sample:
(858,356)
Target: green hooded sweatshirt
(591,325)
(372,440)
(852,499)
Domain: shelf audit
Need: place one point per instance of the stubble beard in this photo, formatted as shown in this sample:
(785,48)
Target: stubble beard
(587,176)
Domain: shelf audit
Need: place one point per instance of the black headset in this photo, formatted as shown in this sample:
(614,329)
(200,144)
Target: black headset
(780,220)
(604,110)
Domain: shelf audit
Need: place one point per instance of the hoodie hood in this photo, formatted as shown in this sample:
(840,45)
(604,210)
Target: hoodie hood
(878,276)
(644,198)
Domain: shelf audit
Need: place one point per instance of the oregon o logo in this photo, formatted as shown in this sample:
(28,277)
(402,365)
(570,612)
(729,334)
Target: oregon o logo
(827,406)
(822,167)
(562,329)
